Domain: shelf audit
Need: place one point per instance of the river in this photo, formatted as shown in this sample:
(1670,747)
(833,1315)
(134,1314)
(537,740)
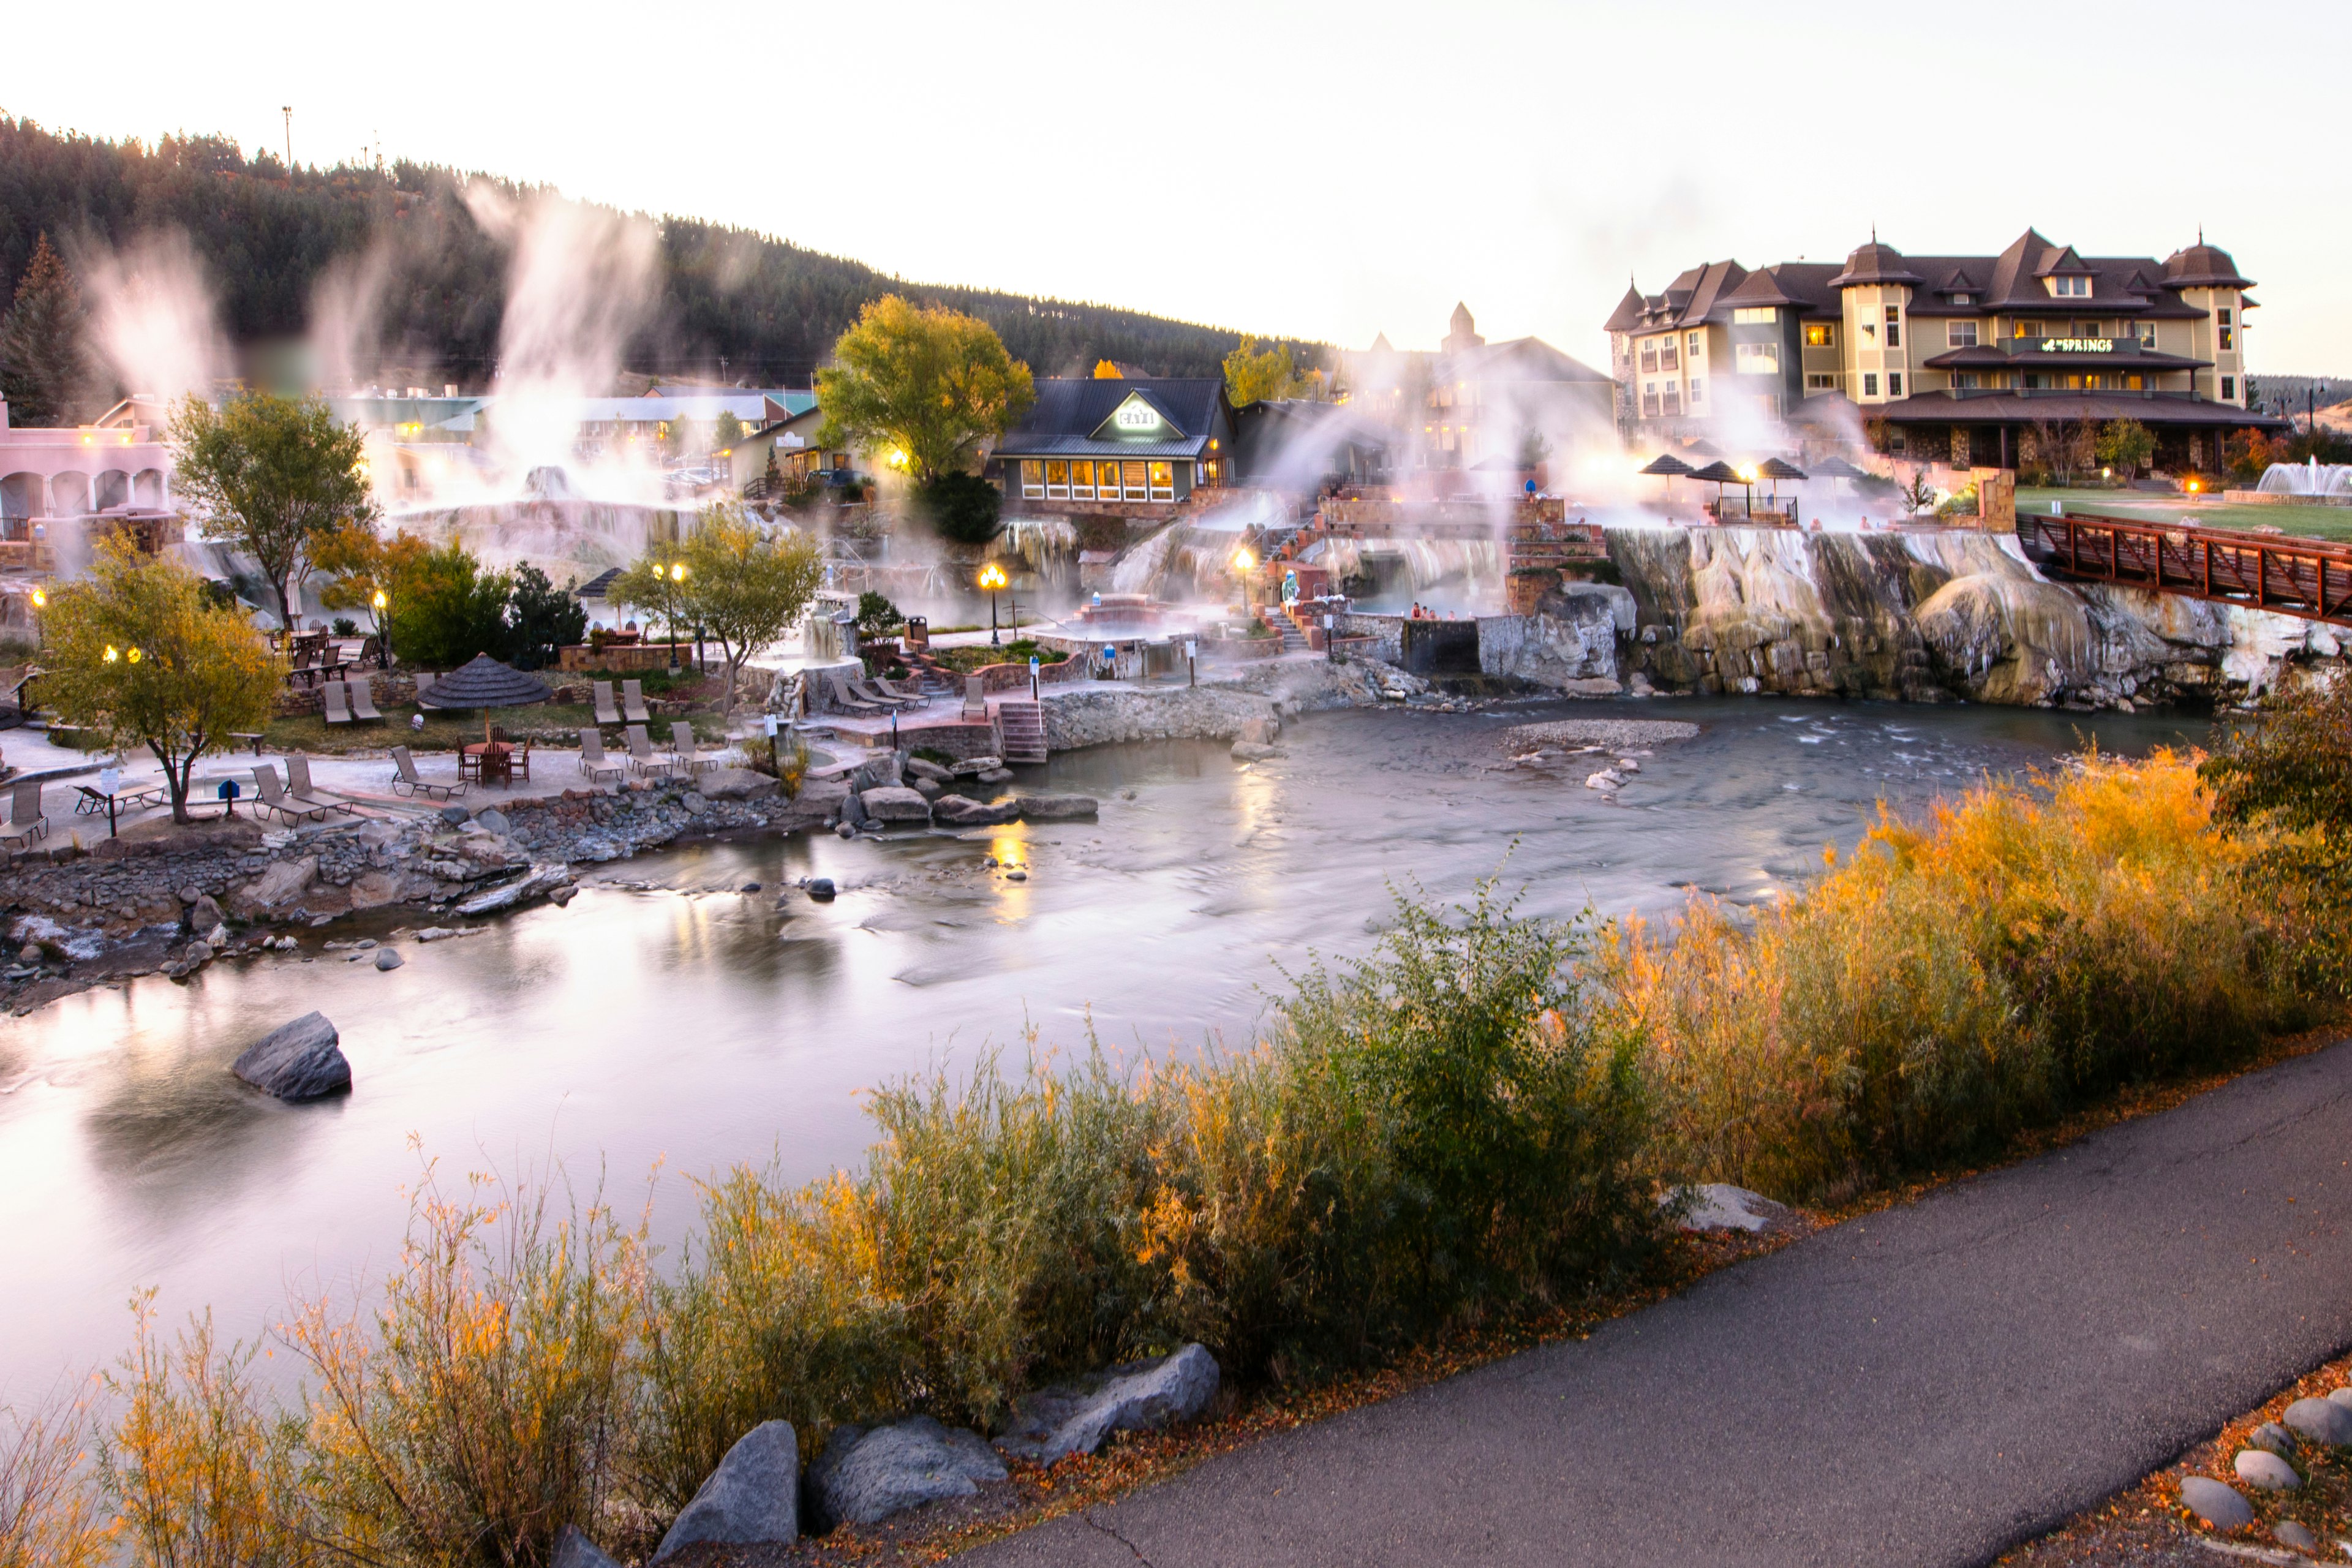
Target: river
(667,1015)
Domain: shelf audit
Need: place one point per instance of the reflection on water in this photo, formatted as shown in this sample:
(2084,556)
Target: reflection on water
(685,1020)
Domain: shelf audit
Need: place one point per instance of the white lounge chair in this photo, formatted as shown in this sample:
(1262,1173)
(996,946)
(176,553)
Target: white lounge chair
(407,780)
(632,702)
(27,821)
(640,754)
(274,798)
(330,695)
(683,749)
(606,713)
(593,760)
(298,785)
(362,702)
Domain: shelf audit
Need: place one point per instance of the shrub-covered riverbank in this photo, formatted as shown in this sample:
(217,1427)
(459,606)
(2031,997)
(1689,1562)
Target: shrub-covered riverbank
(1472,1125)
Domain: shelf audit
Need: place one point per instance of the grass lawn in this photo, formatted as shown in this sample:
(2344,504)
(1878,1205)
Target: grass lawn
(2330,522)
(546,723)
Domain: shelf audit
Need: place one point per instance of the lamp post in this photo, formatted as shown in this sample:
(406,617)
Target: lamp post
(40,622)
(670,579)
(381,604)
(1245,562)
(992,580)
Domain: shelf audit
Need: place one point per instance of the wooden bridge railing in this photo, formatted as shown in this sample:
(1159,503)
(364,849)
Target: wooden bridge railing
(2305,577)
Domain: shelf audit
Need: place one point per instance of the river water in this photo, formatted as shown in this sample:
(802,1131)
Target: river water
(667,1015)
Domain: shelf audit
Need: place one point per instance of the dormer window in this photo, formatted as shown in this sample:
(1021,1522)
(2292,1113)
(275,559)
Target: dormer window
(2071,287)
(1961,299)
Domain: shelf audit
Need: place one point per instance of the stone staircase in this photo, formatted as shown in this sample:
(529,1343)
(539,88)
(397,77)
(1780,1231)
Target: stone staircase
(1292,639)
(1023,723)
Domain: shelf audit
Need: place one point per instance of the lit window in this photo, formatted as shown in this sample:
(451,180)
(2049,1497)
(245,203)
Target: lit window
(1894,327)
(1821,335)
(2147,333)
(1960,334)
(1057,481)
(1756,359)
(1033,481)
(1164,481)
(1754,316)
(1082,480)
(1893,383)
(1138,480)
(2228,335)
(1870,383)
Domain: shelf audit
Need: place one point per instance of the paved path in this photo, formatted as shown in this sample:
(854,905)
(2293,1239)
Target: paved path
(1929,1386)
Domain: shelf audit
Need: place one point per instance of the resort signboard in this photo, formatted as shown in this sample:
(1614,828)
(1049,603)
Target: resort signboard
(2079,346)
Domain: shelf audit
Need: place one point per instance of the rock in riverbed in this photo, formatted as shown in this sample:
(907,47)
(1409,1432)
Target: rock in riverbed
(1141,1396)
(962,811)
(894,803)
(924,768)
(300,1060)
(1059,807)
(753,1495)
(862,1476)
(2219,1506)
(385,959)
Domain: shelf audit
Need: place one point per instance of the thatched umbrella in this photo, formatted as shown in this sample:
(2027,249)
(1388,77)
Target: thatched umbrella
(484,682)
(1669,467)
(1723,473)
(1776,469)
(1834,468)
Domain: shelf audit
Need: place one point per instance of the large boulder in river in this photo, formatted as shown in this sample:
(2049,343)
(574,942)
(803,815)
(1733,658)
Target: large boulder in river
(962,811)
(1059,807)
(895,803)
(300,1060)
(753,1495)
(862,1476)
(1141,1396)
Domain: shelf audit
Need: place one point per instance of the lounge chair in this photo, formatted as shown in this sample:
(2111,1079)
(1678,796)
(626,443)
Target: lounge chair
(975,700)
(94,803)
(298,785)
(872,691)
(683,748)
(848,701)
(362,704)
(916,697)
(606,713)
(593,760)
(274,798)
(338,712)
(640,754)
(27,821)
(405,780)
(632,702)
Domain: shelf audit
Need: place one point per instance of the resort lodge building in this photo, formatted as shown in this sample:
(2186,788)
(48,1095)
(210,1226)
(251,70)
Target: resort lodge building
(1117,447)
(1954,359)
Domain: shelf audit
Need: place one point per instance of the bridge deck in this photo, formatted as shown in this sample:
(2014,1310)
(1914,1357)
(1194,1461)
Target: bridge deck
(2304,577)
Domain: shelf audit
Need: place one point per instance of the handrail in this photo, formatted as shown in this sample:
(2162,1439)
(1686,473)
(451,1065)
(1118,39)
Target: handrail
(2308,578)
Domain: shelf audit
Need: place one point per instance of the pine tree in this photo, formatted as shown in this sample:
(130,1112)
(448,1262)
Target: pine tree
(42,372)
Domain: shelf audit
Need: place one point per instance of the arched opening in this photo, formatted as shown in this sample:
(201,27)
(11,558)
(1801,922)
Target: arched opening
(20,498)
(69,495)
(147,490)
(113,490)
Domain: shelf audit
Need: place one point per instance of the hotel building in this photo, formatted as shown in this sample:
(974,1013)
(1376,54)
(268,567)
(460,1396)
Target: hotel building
(1951,358)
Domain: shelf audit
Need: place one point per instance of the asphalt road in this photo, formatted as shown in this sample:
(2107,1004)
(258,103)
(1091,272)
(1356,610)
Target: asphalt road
(1929,1386)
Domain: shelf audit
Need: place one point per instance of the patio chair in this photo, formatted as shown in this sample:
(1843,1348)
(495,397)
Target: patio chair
(593,760)
(362,704)
(846,699)
(518,763)
(405,780)
(975,701)
(632,702)
(298,785)
(337,710)
(27,821)
(683,748)
(606,713)
(274,798)
(640,754)
(872,691)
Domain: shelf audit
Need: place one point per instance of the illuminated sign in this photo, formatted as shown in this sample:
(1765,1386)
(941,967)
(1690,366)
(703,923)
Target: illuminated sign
(1136,414)
(2078,345)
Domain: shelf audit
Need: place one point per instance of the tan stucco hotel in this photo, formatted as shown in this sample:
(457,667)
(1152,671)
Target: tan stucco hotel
(1958,356)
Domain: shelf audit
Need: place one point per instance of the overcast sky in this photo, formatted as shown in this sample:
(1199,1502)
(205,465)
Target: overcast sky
(1329,172)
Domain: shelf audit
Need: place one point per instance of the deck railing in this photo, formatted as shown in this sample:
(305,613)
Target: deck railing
(2307,577)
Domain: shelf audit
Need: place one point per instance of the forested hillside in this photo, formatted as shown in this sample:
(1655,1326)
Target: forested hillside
(771,307)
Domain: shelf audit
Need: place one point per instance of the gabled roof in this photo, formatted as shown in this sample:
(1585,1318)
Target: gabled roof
(1070,412)
(1515,360)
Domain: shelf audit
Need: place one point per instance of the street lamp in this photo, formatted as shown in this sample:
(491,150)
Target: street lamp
(992,580)
(40,622)
(1243,565)
(381,603)
(670,579)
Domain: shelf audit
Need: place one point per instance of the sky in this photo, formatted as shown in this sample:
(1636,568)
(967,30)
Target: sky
(1324,172)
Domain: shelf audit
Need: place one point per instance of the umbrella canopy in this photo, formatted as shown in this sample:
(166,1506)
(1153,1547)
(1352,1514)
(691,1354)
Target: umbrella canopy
(1835,468)
(1721,473)
(1704,450)
(1666,465)
(487,683)
(1774,469)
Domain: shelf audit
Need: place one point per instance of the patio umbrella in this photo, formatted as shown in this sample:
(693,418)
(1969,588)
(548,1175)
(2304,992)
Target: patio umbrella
(1834,468)
(1723,473)
(486,683)
(1669,467)
(1776,469)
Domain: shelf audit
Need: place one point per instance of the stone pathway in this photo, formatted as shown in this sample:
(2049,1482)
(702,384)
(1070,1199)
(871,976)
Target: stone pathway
(1928,1386)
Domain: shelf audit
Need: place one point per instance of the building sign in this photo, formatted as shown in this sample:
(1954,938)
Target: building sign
(1135,414)
(2078,345)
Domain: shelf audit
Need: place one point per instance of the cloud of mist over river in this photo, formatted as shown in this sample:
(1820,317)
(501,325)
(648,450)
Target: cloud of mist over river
(687,1021)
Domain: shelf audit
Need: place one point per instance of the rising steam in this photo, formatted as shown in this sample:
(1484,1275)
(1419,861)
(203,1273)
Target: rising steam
(152,319)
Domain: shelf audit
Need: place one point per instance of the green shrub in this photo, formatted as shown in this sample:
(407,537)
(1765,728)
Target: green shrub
(964,508)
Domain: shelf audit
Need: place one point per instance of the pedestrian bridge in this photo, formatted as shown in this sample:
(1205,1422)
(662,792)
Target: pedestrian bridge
(2307,577)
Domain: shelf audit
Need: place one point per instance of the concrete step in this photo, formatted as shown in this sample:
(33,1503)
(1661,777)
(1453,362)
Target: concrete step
(1022,723)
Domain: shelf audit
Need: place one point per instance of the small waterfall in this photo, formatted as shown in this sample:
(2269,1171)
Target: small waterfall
(1145,563)
(1472,569)
(563,538)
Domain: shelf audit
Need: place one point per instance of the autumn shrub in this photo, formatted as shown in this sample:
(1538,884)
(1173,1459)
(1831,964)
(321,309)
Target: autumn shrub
(1973,971)
(50,1515)
(484,1401)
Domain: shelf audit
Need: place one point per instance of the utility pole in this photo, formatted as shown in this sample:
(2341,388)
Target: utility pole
(288,111)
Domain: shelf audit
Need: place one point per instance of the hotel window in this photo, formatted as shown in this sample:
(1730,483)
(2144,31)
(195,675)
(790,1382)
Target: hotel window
(2023,328)
(1164,481)
(1208,472)
(1894,326)
(1690,346)
(1139,480)
(1754,316)
(1698,391)
(1893,383)
(1959,298)
(1668,358)
(1870,383)
(1960,334)
(1082,480)
(1673,400)
(2229,388)
(1966,380)
(2146,330)
(1649,354)
(2228,335)
(1821,335)
(1057,481)
(1756,359)
(2135,384)
(1817,380)
(1033,481)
